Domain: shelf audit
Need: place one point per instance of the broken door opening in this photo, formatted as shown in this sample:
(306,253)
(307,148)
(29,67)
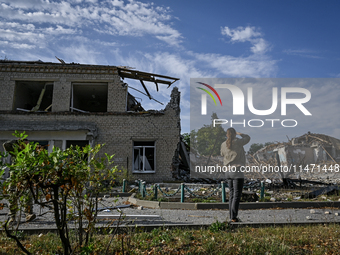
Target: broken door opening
(89,97)
(33,96)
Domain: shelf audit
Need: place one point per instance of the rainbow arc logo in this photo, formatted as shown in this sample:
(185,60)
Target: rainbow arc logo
(209,93)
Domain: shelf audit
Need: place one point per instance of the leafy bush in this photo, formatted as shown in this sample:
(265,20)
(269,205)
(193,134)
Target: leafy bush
(66,181)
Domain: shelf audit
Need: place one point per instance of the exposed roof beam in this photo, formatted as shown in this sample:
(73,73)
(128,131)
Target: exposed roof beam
(145,94)
(137,75)
(156,85)
(146,90)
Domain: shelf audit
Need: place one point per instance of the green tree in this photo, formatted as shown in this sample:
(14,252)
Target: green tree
(67,181)
(186,138)
(257,146)
(208,139)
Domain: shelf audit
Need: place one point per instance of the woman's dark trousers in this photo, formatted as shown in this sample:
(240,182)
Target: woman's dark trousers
(235,193)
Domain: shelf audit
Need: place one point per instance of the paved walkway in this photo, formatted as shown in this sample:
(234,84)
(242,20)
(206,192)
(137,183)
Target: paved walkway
(45,218)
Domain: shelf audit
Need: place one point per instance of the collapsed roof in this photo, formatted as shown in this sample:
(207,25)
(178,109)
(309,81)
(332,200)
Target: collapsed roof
(76,68)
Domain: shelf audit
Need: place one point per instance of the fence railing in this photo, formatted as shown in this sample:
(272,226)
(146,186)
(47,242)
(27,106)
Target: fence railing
(183,188)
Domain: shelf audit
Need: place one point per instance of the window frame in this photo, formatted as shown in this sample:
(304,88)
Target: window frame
(101,84)
(144,147)
(36,87)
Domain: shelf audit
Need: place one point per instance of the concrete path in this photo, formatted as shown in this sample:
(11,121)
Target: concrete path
(168,217)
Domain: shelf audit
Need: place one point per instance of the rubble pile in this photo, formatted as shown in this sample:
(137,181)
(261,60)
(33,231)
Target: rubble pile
(313,158)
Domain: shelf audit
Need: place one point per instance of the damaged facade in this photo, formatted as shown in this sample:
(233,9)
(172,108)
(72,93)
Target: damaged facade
(73,104)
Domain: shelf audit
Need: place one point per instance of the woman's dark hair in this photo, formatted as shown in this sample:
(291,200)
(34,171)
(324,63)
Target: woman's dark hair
(231,134)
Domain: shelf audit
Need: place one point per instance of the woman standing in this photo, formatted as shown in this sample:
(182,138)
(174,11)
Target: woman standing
(234,156)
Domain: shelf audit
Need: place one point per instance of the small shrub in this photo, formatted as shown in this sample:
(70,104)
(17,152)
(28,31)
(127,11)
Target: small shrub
(217,226)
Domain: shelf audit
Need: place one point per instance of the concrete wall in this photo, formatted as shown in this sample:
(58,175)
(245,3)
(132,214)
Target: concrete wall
(116,128)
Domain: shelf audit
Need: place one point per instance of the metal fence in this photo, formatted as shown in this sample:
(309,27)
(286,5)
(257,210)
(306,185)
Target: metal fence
(183,189)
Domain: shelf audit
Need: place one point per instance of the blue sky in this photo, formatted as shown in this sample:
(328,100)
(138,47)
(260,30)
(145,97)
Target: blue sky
(183,39)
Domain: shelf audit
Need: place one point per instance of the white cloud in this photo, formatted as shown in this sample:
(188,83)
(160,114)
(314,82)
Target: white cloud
(240,33)
(12,35)
(117,3)
(16,25)
(25,4)
(259,46)
(303,53)
(81,54)
(109,17)
(59,30)
(30,35)
(247,34)
(17,45)
(171,40)
(252,66)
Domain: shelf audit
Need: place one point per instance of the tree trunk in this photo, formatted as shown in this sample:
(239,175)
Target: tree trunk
(60,222)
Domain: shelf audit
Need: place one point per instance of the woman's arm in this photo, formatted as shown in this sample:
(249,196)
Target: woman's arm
(245,138)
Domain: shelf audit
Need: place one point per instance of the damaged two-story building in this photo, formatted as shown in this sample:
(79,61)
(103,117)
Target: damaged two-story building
(59,104)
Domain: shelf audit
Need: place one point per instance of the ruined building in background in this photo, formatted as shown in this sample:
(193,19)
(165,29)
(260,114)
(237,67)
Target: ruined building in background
(60,104)
(313,150)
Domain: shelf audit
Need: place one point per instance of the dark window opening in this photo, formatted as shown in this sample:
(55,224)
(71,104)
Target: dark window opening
(89,97)
(143,156)
(74,143)
(43,144)
(33,96)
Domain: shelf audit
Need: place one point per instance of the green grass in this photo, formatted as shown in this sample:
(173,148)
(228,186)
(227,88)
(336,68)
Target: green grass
(218,239)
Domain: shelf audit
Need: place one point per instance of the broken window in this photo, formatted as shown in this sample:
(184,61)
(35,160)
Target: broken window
(33,96)
(144,156)
(89,97)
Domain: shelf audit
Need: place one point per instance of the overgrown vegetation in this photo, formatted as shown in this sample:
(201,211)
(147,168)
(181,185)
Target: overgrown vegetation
(320,239)
(68,182)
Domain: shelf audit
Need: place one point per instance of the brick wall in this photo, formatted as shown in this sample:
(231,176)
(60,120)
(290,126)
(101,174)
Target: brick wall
(117,96)
(116,128)
(7,92)
(118,132)
(61,95)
